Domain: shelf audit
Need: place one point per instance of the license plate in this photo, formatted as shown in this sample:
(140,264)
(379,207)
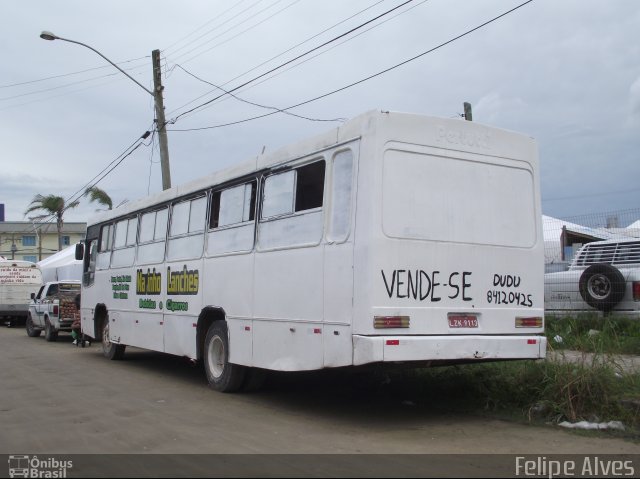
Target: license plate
(463,321)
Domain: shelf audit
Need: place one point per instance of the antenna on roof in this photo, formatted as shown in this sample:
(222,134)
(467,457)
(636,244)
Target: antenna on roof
(467,111)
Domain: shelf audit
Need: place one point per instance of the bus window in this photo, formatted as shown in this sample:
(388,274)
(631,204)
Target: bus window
(186,237)
(104,253)
(310,186)
(278,194)
(124,242)
(302,187)
(341,197)
(88,277)
(291,207)
(153,231)
(231,219)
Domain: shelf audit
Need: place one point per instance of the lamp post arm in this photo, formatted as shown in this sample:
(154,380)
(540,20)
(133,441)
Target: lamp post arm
(121,70)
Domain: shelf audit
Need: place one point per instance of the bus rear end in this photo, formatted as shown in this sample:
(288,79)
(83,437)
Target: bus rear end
(454,271)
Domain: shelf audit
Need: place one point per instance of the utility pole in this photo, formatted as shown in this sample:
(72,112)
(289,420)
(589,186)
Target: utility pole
(162,124)
(156,94)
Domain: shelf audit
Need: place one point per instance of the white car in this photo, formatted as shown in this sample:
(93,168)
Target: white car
(604,276)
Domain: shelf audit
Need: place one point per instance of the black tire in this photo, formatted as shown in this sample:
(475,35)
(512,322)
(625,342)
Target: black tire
(110,350)
(32,331)
(221,374)
(602,286)
(50,334)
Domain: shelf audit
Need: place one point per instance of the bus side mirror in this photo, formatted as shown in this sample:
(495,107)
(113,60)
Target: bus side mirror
(79,251)
(33,296)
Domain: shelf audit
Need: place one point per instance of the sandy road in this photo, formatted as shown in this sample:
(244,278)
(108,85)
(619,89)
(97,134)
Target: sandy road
(59,399)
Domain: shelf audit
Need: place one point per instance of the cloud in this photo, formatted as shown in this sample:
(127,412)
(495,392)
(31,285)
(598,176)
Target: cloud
(494,107)
(634,102)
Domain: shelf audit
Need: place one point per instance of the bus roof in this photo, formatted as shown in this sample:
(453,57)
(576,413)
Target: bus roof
(16,263)
(351,129)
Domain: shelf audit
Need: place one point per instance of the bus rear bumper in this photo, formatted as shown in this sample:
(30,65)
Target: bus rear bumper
(374,349)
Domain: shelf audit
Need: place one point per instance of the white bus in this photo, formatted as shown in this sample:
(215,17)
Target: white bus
(18,279)
(394,238)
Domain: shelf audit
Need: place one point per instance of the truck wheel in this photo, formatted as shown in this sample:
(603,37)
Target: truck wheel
(32,332)
(110,350)
(602,286)
(50,334)
(221,374)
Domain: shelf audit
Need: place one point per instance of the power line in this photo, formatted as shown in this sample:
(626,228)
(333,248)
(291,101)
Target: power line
(202,26)
(276,74)
(9,85)
(282,53)
(47,219)
(386,70)
(222,24)
(294,59)
(277,110)
(239,33)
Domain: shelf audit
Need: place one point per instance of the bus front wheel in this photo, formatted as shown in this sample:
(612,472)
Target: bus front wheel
(110,350)
(221,374)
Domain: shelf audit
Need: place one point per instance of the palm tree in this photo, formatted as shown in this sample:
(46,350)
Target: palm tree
(53,206)
(99,195)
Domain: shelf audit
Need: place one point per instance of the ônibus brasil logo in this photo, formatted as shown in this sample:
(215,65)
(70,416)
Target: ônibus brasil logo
(32,466)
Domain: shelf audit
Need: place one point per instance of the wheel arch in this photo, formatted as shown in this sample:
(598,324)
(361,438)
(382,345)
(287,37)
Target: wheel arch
(207,316)
(99,316)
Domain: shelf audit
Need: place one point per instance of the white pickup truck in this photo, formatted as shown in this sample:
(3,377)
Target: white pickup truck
(53,309)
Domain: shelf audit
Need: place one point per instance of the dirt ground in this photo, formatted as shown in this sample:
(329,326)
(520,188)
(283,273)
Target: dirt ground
(59,399)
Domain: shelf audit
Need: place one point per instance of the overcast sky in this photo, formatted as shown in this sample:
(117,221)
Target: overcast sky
(564,72)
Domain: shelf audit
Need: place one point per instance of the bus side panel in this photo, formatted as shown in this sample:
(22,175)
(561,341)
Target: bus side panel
(182,288)
(289,284)
(338,304)
(288,313)
(227,283)
(180,335)
(287,345)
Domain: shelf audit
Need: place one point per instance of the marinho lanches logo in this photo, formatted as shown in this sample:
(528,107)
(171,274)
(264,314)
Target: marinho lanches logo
(28,466)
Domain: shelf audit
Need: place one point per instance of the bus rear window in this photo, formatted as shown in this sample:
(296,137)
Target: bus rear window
(456,200)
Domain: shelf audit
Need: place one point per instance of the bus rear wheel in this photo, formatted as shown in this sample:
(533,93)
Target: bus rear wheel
(110,350)
(221,374)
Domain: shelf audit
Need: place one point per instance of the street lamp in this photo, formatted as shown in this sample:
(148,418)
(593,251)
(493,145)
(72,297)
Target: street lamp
(156,94)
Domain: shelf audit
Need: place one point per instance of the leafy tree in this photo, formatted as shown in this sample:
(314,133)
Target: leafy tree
(100,196)
(52,205)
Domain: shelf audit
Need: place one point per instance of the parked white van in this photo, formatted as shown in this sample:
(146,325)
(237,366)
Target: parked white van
(18,279)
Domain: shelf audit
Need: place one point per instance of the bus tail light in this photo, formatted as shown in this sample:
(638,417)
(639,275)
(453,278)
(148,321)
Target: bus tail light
(636,290)
(534,322)
(389,322)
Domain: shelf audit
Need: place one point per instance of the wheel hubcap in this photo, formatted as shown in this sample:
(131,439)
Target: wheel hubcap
(599,286)
(106,342)
(215,357)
